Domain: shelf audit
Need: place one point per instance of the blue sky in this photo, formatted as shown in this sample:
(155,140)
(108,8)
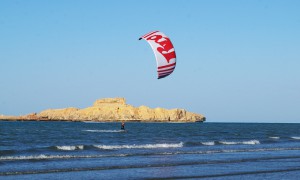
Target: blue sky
(237,60)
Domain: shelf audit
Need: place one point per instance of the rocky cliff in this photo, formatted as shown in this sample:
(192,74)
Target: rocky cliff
(116,109)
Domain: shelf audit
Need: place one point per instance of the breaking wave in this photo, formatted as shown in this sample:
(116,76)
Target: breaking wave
(145,146)
(42,157)
(296,137)
(210,143)
(274,137)
(250,142)
(47,157)
(213,143)
(70,148)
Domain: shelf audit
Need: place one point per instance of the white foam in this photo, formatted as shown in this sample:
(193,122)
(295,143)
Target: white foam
(274,137)
(103,131)
(145,146)
(42,157)
(45,157)
(210,143)
(38,157)
(228,142)
(70,148)
(250,142)
(296,137)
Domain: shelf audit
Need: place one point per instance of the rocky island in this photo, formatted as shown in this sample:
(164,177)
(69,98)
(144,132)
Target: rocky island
(110,110)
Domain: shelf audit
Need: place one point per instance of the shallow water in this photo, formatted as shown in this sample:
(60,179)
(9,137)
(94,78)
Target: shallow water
(35,150)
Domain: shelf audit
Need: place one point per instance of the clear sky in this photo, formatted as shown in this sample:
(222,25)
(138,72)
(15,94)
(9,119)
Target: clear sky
(237,60)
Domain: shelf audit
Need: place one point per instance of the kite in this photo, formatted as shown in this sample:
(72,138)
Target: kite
(164,52)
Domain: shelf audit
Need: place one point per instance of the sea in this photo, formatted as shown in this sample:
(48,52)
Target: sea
(90,150)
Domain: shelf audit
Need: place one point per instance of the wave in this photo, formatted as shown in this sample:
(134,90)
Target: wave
(215,143)
(274,137)
(42,157)
(239,150)
(48,157)
(107,147)
(210,143)
(70,148)
(296,137)
(104,131)
(250,142)
(143,166)
(144,146)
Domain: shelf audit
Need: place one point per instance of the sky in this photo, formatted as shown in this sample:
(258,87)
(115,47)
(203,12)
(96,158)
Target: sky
(237,60)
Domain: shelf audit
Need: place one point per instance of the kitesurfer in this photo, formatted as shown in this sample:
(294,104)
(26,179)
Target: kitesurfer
(123,126)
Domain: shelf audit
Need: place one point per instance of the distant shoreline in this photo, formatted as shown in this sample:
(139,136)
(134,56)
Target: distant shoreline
(104,121)
(111,110)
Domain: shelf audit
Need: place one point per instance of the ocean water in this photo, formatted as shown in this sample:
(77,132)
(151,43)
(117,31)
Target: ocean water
(68,150)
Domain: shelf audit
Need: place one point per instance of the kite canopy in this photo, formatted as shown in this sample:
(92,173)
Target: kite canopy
(164,52)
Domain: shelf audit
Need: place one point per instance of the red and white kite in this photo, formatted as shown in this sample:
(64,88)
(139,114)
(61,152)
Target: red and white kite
(164,52)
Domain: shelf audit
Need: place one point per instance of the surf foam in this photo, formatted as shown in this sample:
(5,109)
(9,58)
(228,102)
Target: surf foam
(70,148)
(274,137)
(250,142)
(296,137)
(38,157)
(210,143)
(43,157)
(144,146)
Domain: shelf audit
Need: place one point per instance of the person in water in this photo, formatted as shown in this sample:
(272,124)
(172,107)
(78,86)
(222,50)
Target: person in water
(123,126)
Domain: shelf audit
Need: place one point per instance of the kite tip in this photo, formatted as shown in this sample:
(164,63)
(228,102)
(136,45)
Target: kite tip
(140,38)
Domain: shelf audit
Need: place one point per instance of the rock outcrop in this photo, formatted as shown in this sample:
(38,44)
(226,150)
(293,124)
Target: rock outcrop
(116,109)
